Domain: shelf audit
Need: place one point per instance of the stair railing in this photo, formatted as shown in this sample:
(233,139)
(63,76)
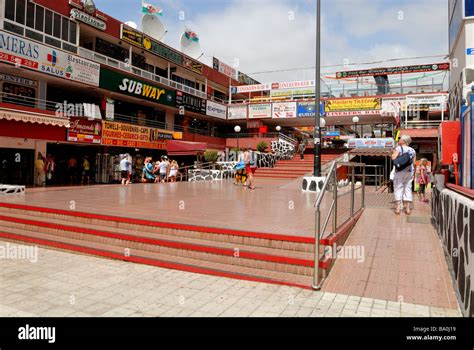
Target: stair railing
(331,180)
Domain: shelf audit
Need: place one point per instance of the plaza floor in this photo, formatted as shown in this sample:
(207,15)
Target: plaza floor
(75,285)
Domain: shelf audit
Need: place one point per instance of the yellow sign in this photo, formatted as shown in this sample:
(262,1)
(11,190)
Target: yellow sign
(353,104)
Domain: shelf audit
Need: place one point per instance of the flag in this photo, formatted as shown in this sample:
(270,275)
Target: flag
(151,10)
(190,35)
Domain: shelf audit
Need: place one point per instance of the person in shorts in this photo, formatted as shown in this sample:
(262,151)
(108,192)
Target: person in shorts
(125,170)
(250,160)
(423,180)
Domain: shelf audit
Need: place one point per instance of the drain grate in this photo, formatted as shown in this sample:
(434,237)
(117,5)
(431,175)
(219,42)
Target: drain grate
(419,220)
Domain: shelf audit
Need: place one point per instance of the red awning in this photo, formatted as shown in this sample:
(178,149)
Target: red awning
(185,148)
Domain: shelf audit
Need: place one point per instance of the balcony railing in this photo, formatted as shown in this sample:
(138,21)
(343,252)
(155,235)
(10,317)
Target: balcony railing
(421,124)
(94,56)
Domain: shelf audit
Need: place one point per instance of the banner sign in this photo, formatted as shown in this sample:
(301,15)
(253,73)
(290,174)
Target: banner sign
(83,130)
(284,110)
(131,36)
(216,110)
(394,70)
(237,112)
(135,136)
(245,79)
(251,88)
(127,85)
(292,92)
(307,110)
(190,102)
(88,19)
(353,104)
(224,68)
(393,106)
(371,143)
(161,50)
(260,111)
(293,85)
(427,99)
(6,78)
(29,54)
(192,65)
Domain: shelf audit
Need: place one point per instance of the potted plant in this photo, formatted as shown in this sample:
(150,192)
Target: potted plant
(262,146)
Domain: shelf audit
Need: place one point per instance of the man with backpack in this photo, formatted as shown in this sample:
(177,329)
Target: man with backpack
(404,158)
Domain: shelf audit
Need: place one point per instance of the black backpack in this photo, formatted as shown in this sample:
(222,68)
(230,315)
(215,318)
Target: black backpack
(403,161)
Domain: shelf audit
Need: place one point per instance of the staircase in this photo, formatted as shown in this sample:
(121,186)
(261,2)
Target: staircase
(294,168)
(259,257)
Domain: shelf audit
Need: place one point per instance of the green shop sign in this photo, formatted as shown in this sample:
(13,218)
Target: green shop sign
(127,85)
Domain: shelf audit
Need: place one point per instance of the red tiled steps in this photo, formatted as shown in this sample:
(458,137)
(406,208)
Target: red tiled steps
(246,255)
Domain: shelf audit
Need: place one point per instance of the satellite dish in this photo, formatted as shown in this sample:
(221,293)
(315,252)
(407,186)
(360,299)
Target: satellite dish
(131,24)
(153,27)
(190,44)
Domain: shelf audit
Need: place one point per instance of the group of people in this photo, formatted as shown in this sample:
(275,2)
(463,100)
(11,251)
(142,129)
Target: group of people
(403,175)
(245,169)
(44,169)
(164,170)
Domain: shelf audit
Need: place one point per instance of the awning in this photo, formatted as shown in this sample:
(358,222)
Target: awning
(371,152)
(420,133)
(34,118)
(185,148)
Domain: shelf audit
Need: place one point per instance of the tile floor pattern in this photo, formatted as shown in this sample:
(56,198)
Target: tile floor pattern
(66,284)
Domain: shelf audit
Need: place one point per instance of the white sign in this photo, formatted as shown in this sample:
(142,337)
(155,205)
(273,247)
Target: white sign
(252,88)
(392,106)
(260,111)
(48,60)
(237,112)
(351,113)
(227,70)
(88,19)
(293,85)
(109,109)
(427,99)
(216,110)
(284,110)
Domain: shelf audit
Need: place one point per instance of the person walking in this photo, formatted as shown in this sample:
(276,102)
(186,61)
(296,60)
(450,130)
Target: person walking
(125,170)
(423,180)
(72,169)
(86,170)
(404,158)
(49,168)
(163,167)
(40,170)
(147,173)
(302,149)
(250,160)
(173,171)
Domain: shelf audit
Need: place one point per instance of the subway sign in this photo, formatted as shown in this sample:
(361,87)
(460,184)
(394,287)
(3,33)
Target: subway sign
(130,86)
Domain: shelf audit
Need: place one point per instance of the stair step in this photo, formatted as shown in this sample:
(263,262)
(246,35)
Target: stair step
(157,259)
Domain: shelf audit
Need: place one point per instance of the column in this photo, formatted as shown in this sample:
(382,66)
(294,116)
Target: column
(169,120)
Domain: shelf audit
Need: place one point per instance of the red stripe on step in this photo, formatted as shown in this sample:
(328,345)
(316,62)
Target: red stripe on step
(146,261)
(164,243)
(184,227)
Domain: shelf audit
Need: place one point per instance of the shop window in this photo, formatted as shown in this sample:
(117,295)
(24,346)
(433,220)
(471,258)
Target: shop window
(72,32)
(53,42)
(18,94)
(57,26)
(48,22)
(30,15)
(161,72)
(33,35)
(10,9)
(65,29)
(111,50)
(39,23)
(20,11)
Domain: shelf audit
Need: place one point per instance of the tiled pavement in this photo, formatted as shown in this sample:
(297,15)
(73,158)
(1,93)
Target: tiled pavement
(65,284)
(404,260)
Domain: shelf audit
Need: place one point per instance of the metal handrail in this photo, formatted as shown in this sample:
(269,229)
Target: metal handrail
(331,177)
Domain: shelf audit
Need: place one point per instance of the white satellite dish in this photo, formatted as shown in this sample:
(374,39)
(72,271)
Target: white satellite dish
(153,27)
(190,47)
(131,24)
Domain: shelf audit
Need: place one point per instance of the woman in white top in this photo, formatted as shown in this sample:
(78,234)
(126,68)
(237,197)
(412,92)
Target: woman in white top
(403,180)
(173,171)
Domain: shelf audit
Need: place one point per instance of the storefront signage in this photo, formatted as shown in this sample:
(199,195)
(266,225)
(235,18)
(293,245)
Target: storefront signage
(355,104)
(88,19)
(224,68)
(308,109)
(394,70)
(393,106)
(190,103)
(292,92)
(83,130)
(6,78)
(128,135)
(427,99)
(251,88)
(260,111)
(38,57)
(371,143)
(117,82)
(131,36)
(192,65)
(109,109)
(237,112)
(216,110)
(284,110)
(245,79)
(293,85)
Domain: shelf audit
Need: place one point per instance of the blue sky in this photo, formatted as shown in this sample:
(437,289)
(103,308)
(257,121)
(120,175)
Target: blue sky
(263,35)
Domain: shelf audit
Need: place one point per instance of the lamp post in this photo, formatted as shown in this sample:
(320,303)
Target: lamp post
(355,120)
(237,129)
(278,128)
(317,101)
